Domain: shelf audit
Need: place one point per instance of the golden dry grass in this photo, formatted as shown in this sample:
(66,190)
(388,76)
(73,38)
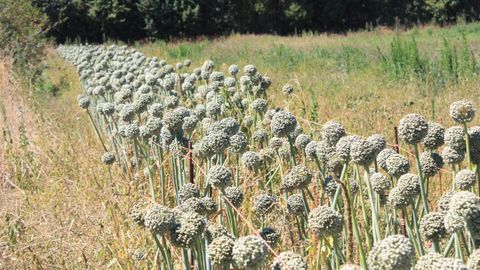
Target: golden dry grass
(56,208)
(364,98)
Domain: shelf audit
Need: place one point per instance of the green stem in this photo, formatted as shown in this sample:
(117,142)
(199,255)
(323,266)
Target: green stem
(363,261)
(448,247)
(467,142)
(417,229)
(410,233)
(337,192)
(375,224)
(292,151)
(186,260)
(96,130)
(319,255)
(363,208)
(422,182)
(436,246)
(338,254)
(464,241)
(162,175)
(458,247)
(305,202)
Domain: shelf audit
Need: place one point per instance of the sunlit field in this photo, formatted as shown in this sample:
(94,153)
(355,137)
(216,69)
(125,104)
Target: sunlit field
(355,151)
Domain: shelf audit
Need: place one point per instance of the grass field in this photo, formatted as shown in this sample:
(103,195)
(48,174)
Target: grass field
(344,75)
(57,208)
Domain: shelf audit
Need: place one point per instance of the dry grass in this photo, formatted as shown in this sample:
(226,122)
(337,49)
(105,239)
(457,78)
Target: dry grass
(56,208)
(364,99)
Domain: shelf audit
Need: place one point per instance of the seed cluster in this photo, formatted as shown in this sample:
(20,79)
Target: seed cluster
(289,260)
(325,221)
(432,226)
(412,128)
(434,261)
(249,252)
(393,252)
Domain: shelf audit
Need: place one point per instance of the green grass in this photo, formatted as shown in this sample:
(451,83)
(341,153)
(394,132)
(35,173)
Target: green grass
(367,80)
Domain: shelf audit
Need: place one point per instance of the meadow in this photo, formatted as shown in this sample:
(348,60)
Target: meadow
(60,207)
(348,73)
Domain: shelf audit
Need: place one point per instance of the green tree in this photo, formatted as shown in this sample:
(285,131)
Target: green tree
(445,11)
(92,20)
(298,15)
(165,18)
(117,19)
(224,16)
(330,14)
(68,19)
(22,29)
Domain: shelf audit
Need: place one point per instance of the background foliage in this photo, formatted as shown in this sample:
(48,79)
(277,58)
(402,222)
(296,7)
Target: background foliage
(22,28)
(95,20)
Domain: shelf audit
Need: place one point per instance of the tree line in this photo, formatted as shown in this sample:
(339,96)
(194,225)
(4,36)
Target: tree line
(128,20)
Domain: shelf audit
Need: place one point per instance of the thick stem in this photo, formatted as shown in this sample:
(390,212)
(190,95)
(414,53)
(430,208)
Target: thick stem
(411,234)
(96,130)
(292,151)
(305,202)
(467,143)
(162,175)
(186,259)
(348,221)
(319,255)
(338,254)
(364,211)
(322,178)
(422,182)
(436,246)
(337,192)
(417,229)
(464,241)
(448,247)
(358,238)
(458,247)
(375,225)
